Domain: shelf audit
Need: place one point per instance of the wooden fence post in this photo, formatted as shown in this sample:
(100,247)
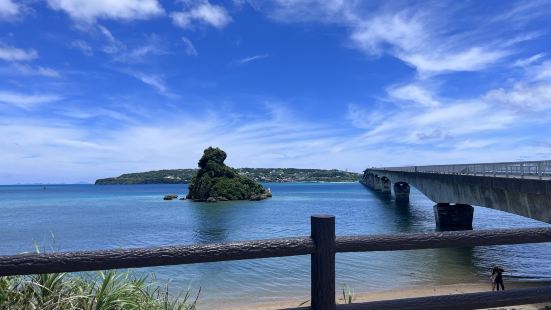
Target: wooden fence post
(323,263)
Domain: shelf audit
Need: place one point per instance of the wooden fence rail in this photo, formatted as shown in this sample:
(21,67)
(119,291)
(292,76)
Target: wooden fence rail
(24,264)
(322,245)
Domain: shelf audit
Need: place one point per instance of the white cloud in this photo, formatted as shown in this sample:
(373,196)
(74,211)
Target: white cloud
(80,144)
(523,11)
(265,139)
(10,53)
(442,124)
(423,35)
(8,9)
(39,70)
(536,69)
(204,13)
(26,101)
(246,60)
(523,37)
(542,72)
(113,45)
(50,148)
(474,144)
(45,71)
(110,45)
(305,10)
(155,81)
(363,117)
(151,45)
(107,34)
(441,61)
(400,29)
(87,153)
(427,37)
(413,93)
(431,121)
(535,97)
(463,118)
(84,47)
(89,11)
(408,36)
(145,50)
(190,48)
(80,112)
(140,54)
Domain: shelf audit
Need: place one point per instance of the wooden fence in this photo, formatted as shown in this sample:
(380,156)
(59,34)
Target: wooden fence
(322,246)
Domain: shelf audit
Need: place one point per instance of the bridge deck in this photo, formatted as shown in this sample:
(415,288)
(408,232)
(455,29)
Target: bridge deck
(522,188)
(526,169)
(502,175)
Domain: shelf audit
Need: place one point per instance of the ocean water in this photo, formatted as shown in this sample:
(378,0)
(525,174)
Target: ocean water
(87,217)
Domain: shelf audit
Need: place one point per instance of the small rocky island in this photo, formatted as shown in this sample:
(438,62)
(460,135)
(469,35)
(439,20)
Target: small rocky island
(215,181)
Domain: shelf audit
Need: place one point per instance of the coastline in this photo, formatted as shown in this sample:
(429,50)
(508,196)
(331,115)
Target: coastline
(406,292)
(186,183)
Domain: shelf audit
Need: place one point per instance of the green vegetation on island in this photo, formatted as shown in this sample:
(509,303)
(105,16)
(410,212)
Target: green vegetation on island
(278,175)
(172,176)
(217,182)
(265,175)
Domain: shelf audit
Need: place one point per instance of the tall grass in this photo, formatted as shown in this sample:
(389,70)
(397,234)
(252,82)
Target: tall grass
(105,290)
(347,294)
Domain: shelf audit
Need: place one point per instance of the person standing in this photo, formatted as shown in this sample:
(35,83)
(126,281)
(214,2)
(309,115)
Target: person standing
(497,277)
(493,281)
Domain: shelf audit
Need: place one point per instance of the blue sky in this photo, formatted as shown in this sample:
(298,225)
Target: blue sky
(91,89)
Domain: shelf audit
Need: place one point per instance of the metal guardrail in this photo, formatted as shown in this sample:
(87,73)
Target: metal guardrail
(322,245)
(537,169)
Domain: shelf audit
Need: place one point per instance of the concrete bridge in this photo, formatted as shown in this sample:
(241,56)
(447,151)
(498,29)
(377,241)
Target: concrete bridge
(522,188)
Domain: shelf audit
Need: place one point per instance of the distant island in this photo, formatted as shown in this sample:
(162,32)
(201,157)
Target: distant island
(215,181)
(264,175)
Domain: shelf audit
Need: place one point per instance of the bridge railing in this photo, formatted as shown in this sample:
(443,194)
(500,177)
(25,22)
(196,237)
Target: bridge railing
(535,169)
(321,246)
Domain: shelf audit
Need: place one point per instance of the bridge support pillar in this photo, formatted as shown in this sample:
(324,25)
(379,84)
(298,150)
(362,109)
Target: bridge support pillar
(385,186)
(401,192)
(369,180)
(453,216)
(377,184)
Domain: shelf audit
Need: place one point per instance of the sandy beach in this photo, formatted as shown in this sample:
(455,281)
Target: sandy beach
(404,293)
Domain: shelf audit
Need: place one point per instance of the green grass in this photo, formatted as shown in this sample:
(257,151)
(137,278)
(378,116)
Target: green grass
(347,294)
(103,290)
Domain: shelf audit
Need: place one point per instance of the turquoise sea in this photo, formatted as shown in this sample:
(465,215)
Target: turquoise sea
(86,217)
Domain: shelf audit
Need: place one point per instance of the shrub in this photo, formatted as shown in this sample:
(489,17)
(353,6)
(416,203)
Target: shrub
(106,290)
